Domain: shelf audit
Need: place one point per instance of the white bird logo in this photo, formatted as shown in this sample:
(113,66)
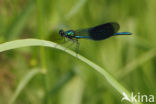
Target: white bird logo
(125,97)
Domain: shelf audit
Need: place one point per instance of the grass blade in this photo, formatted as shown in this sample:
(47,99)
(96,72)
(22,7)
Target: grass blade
(75,9)
(15,28)
(23,83)
(36,42)
(131,66)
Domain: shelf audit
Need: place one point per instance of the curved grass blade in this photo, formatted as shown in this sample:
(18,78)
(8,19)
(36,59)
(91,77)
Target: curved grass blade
(23,83)
(36,42)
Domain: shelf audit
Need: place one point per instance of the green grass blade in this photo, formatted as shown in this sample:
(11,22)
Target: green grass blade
(15,28)
(62,81)
(75,9)
(23,83)
(59,84)
(36,42)
(131,66)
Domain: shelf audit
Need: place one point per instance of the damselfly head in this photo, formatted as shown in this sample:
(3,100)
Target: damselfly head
(61,32)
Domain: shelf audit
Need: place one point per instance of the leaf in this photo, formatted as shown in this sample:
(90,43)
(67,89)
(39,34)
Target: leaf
(36,42)
(23,83)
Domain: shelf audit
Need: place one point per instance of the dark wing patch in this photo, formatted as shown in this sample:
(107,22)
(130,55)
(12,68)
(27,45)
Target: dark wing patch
(103,31)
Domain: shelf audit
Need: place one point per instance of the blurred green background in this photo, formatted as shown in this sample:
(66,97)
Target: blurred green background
(65,79)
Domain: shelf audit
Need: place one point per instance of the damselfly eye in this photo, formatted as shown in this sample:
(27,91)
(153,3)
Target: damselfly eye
(61,32)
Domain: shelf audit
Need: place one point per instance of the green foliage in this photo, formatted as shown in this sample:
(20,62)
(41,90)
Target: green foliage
(35,42)
(127,62)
